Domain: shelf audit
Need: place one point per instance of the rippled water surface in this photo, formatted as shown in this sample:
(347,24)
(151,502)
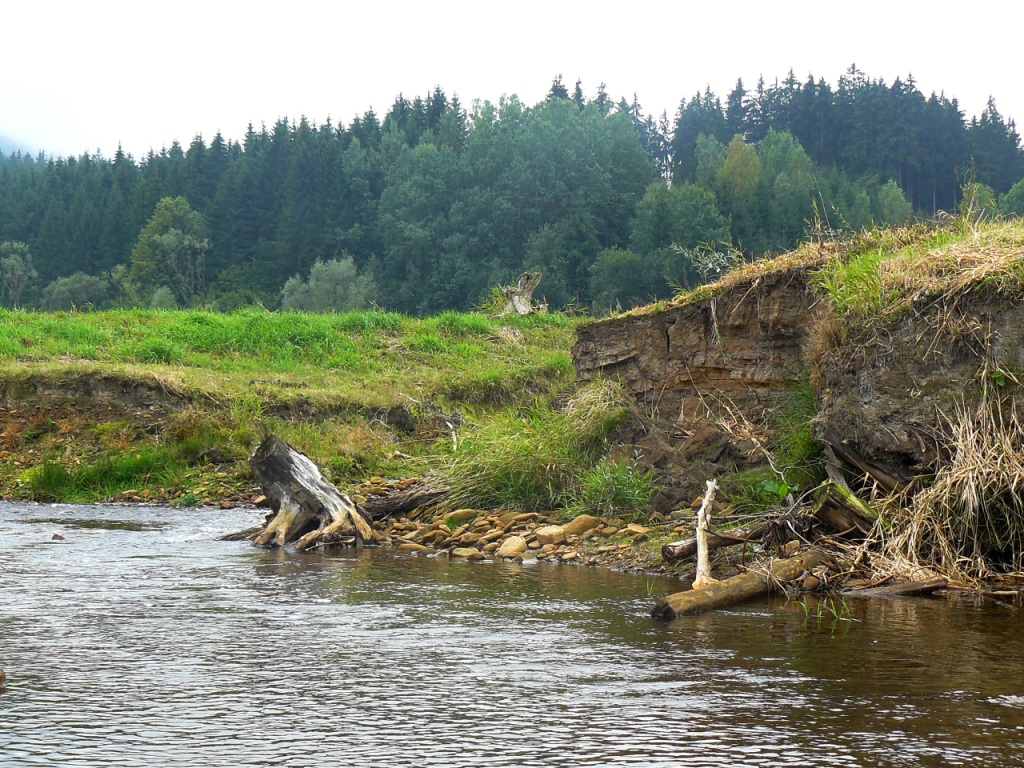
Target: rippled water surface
(139,640)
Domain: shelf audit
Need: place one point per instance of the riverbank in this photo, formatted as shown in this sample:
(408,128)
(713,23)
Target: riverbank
(889,363)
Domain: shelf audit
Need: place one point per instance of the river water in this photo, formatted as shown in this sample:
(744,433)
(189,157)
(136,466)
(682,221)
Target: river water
(139,640)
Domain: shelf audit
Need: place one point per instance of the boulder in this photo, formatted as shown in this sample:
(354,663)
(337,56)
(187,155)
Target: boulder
(513,546)
(550,534)
(580,525)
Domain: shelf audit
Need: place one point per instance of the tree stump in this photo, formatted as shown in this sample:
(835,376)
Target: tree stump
(519,297)
(307,510)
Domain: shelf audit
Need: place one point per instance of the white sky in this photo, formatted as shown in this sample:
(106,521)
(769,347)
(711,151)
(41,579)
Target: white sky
(82,76)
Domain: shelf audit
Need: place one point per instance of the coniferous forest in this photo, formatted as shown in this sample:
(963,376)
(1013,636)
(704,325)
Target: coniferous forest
(432,204)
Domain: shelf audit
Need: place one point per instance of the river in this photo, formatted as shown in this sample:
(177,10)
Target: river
(140,640)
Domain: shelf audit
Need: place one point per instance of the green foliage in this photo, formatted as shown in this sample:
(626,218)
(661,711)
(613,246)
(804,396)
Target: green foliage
(333,286)
(16,270)
(537,458)
(978,203)
(77,291)
(685,215)
(615,487)
(622,279)
(157,350)
(105,477)
(1012,203)
(437,204)
(171,251)
(894,210)
(855,285)
(163,298)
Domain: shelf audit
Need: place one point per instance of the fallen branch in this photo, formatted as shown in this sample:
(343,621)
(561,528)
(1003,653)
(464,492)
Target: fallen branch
(746,586)
(680,550)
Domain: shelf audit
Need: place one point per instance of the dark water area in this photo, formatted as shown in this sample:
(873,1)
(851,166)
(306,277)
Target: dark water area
(139,640)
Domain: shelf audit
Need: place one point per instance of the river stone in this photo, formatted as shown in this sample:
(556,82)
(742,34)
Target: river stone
(460,516)
(413,547)
(572,555)
(550,534)
(580,525)
(470,553)
(468,539)
(513,546)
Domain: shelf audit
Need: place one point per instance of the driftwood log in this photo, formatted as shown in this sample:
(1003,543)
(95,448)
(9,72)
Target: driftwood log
(738,589)
(837,507)
(904,589)
(680,550)
(307,510)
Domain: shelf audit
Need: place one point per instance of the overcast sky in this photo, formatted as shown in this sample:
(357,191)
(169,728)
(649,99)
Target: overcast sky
(79,77)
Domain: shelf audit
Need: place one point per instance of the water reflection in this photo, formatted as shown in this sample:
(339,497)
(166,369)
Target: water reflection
(142,641)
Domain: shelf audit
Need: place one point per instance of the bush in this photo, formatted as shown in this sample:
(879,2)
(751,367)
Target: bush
(75,292)
(333,286)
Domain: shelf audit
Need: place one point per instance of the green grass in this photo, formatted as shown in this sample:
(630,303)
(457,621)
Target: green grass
(326,383)
(544,458)
(110,475)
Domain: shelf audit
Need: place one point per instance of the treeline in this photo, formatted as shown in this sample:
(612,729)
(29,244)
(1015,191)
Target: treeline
(428,207)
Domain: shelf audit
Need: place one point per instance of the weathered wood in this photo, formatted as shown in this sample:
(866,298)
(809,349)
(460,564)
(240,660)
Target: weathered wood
(519,297)
(397,502)
(905,589)
(307,510)
(703,578)
(680,550)
(738,589)
(838,508)
(888,480)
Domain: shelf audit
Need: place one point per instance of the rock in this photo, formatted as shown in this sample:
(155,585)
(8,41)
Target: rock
(529,556)
(580,525)
(469,553)
(469,539)
(550,534)
(571,555)
(460,516)
(409,546)
(790,548)
(609,531)
(639,530)
(261,501)
(513,546)
(56,537)
(491,547)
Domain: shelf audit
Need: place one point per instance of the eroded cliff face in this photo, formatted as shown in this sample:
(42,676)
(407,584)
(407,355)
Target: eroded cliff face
(886,389)
(732,350)
(696,365)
